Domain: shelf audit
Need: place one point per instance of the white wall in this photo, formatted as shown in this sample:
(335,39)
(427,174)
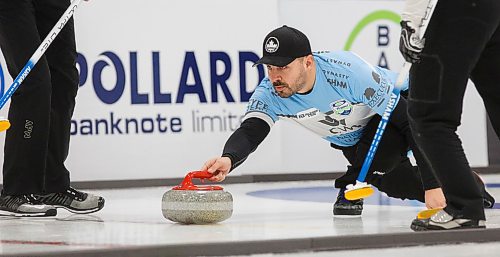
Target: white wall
(170,29)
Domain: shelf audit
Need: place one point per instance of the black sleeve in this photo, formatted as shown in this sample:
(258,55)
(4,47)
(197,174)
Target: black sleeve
(399,118)
(245,140)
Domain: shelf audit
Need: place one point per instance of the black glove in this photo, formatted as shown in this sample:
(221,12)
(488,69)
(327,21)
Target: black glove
(410,45)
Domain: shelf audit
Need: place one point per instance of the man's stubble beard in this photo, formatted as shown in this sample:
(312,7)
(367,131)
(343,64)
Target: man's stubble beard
(288,91)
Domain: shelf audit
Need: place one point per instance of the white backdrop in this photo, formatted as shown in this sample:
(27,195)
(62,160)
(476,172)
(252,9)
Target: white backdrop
(177,69)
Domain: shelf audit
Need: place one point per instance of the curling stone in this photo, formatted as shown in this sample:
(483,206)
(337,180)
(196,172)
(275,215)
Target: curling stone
(191,204)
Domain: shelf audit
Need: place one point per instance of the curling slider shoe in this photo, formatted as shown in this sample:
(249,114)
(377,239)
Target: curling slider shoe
(426,214)
(4,124)
(358,191)
(191,204)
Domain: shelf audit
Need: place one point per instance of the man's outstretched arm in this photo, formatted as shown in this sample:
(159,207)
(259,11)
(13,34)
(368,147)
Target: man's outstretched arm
(238,147)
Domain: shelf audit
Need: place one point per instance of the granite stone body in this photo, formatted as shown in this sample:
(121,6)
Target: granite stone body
(197,206)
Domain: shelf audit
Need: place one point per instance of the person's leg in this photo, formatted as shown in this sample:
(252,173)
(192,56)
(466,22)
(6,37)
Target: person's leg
(390,172)
(61,56)
(26,141)
(391,149)
(402,182)
(488,199)
(437,87)
(342,206)
(62,62)
(486,78)
(386,158)
(351,174)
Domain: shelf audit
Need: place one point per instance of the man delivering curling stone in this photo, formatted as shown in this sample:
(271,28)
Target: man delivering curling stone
(340,97)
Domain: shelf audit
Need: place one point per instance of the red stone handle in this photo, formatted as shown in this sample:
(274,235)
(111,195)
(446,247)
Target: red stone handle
(187,183)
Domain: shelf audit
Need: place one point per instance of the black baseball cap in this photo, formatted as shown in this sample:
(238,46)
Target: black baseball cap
(283,45)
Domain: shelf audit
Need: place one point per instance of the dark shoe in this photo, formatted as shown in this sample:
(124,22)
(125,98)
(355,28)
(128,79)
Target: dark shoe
(441,220)
(344,207)
(74,201)
(488,200)
(24,206)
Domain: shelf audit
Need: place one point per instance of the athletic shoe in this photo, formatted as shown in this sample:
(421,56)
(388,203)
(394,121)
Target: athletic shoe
(441,220)
(74,201)
(344,207)
(488,200)
(26,205)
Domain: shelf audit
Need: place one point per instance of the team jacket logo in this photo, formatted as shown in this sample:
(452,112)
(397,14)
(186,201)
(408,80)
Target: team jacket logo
(338,126)
(307,114)
(341,107)
(376,77)
(377,97)
(257,105)
(369,92)
(272,45)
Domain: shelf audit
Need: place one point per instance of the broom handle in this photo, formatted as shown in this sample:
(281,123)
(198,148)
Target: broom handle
(39,52)
(388,110)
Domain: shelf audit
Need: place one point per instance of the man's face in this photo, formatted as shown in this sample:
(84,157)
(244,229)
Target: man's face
(288,80)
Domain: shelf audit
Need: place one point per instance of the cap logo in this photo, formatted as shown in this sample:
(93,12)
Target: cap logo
(272,45)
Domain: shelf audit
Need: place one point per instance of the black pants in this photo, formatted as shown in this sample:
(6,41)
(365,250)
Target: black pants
(36,145)
(391,171)
(462,42)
